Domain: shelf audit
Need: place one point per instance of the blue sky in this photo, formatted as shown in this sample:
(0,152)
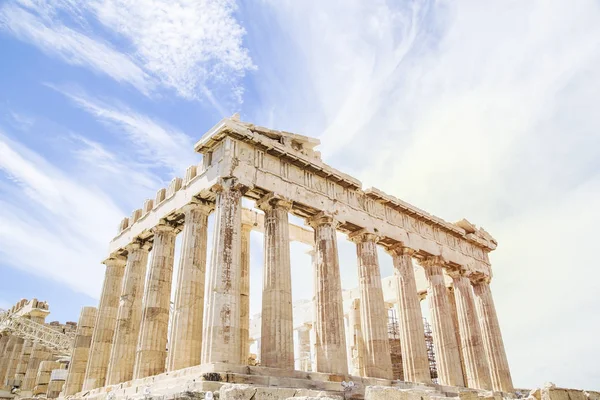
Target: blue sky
(484,111)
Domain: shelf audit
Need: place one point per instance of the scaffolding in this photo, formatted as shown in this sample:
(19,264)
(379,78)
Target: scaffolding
(430,352)
(395,349)
(20,326)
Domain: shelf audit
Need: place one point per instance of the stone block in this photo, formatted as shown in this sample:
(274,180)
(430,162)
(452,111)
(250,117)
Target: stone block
(314,398)
(467,395)
(391,393)
(148,206)
(190,173)
(237,392)
(174,186)
(577,394)
(273,393)
(135,215)
(553,393)
(592,395)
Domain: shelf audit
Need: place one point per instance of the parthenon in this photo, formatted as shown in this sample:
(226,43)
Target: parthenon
(137,341)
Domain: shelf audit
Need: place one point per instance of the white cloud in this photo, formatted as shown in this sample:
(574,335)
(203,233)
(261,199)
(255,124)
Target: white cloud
(154,142)
(482,111)
(74,47)
(193,47)
(51,224)
(188,44)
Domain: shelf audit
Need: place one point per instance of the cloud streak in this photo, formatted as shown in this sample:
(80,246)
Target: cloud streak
(154,142)
(74,47)
(194,48)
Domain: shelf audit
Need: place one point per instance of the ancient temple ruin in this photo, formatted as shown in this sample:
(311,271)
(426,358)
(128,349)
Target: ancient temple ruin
(343,337)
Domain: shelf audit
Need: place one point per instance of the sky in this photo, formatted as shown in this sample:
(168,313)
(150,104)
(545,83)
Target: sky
(467,109)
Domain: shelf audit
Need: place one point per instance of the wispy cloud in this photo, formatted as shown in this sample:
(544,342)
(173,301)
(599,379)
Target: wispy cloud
(154,142)
(188,45)
(193,47)
(73,47)
(51,224)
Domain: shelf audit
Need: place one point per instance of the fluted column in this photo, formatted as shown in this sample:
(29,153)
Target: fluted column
(23,361)
(277,332)
(81,350)
(39,353)
(329,320)
(43,377)
(129,315)
(373,313)
(452,303)
(357,347)
(444,338)
(13,362)
(415,362)
(4,355)
(245,295)
(222,322)
(303,348)
(102,338)
(3,342)
(185,345)
(471,343)
(6,358)
(151,351)
(492,337)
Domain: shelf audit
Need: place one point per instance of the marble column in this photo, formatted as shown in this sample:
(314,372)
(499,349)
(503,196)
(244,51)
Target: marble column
(186,329)
(373,313)
(444,338)
(492,337)
(3,340)
(331,351)
(222,322)
(151,351)
(471,343)
(415,362)
(357,347)
(303,348)
(39,353)
(23,361)
(277,331)
(6,359)
(4,355)
(43,376)
(102,338)
(452,303)
(13,362)
(129,314)
(81,350)
(245,295)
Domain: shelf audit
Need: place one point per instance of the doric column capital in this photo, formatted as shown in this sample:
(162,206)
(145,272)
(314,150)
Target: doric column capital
(205,207)
(322,218)
(115,260)
(363,235)
(478,278)
(456,272)
(138,244)
(433,261)
(164,226)
(400,250)
(228,184)
(273,200)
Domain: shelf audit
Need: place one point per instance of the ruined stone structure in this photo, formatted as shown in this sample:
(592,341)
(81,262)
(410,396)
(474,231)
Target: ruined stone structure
(30,350)
(283,173)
